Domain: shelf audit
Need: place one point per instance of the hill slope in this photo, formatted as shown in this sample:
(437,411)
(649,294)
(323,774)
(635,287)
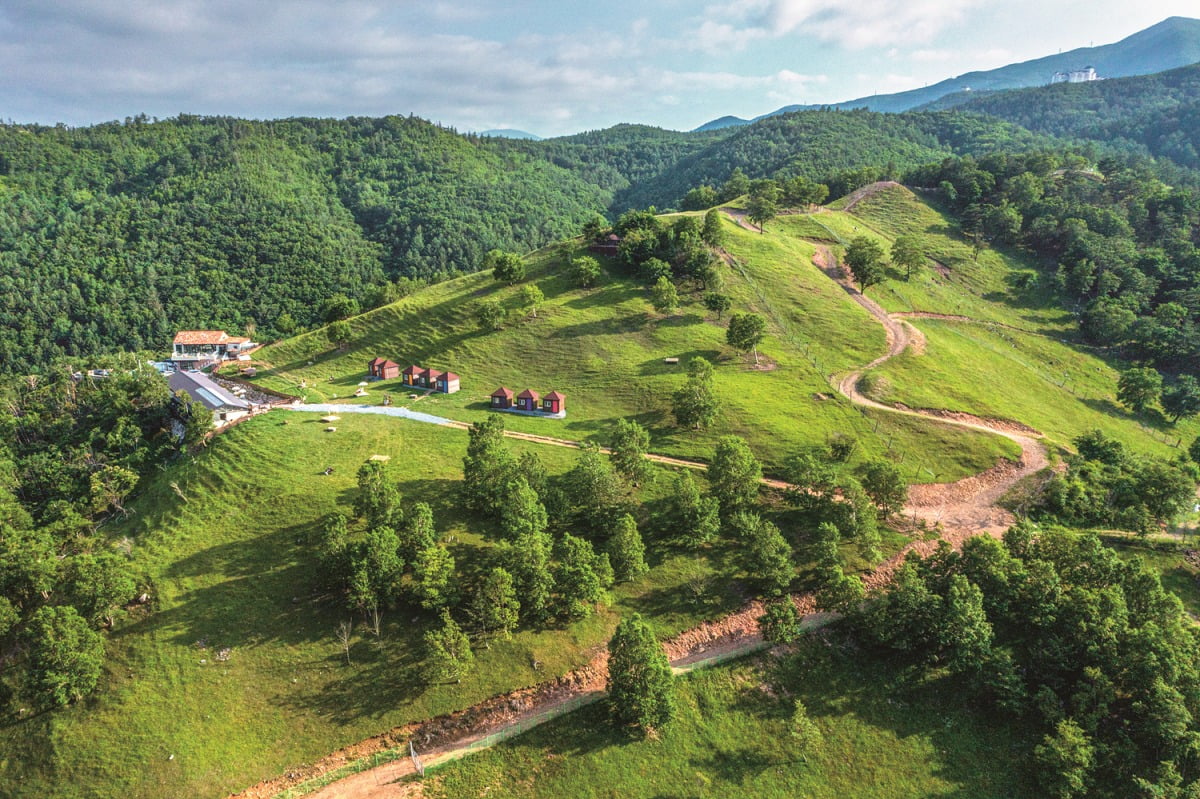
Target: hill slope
(1171,43)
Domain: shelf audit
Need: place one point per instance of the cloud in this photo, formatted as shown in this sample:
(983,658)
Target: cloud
(854,25)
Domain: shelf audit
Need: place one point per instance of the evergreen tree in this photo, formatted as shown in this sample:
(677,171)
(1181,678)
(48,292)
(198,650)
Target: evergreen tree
(805,731)
(418,532)
(780,624)
(486,465)
(528,560)
(626,552)
(380,553)
(378,499)
(735,475)
(965,634)
(630,443)
(448,655)
(495,607)
(521,510)
(641,687)
(695,519)
(65,655)
(433,578)
(579,576)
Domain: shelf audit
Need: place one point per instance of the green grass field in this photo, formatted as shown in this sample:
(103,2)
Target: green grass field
(605,349)
(884,738)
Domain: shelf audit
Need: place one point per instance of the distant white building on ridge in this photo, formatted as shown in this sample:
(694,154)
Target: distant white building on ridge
(1085,75)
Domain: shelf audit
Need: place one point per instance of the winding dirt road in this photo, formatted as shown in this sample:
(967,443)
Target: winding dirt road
(963,509)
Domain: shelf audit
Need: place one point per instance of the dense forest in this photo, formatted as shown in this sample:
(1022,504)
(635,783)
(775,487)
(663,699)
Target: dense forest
(114,236)
(1156,115)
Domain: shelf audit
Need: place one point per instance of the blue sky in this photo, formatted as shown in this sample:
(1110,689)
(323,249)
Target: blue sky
(547,67)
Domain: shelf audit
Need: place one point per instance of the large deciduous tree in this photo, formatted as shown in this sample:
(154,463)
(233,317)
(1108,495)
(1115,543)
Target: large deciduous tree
(864,256)
(745,332)
(641,688)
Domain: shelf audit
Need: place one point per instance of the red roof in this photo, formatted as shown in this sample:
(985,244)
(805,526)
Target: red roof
(434,374)
(414,370)
(449,376)
(554,395)
(502,392)
(389,364)
(528,393)
(201,337)
(377,361)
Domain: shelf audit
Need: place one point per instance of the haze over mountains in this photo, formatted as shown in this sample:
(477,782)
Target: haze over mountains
(1174,42)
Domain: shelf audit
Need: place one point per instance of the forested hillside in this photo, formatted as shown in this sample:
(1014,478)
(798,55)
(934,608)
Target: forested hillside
(112,237)
(1154,114)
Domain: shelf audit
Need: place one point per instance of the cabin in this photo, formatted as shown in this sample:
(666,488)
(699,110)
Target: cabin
(607,245)
(195,349)
(201,388)
(527,400)
(431,378)
(502,398)
(554,402)
(447,382)
(383,369)
(412,375)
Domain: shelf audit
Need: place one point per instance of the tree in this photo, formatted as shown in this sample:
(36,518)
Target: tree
(735,186)
(110,485)
(433,578)
(594,227)
(486,466)
(1065,760)
(99,585)
(597,495)
(766,553)
(578,576)
(495,607)
(763,206)
(964,632)
(630,443)
(490,314)
(339,333)
(718,303)
(626,552)
(664,297)
(528,560)
(780,624)
(695,405)
(699,198)
(1182,398)
(378,500)
(641,687)
(507,267)
(695,519)
(532,299)
(380,554)
(418,532)
(805,731)
(338,307)
(864,256)
(884,485)
(1138,387)
(745,332)
(653,269)
(712,234)
(585,271)
(907,254)
(65,655)
(448,655)
(735,475)
(521,510)
(1194,450)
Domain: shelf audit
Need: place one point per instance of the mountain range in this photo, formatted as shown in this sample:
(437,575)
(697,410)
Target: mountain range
(1174,42)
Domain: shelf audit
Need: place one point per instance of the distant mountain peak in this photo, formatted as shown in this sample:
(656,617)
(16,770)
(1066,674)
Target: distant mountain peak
(1173,42)
(510,133)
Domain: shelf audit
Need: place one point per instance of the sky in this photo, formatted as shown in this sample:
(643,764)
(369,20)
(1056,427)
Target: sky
(551,68)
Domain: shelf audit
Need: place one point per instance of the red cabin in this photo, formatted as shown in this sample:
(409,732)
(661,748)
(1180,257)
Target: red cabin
(383,369)
(431,378)
(412,375)
(554,402)
(527,400)
(447,383)
(502,398)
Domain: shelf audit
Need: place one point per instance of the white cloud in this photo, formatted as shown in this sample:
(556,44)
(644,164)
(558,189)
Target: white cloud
(855,25)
